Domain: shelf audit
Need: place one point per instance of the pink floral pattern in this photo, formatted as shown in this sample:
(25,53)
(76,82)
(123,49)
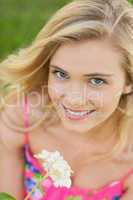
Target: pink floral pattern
(47,190)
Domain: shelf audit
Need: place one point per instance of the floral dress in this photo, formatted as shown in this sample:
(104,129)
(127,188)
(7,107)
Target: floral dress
(47,190)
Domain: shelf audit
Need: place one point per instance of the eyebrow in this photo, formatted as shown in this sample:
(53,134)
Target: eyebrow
(87,75)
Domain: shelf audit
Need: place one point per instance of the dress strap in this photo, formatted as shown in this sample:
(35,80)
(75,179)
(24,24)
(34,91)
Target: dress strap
(126,176)
(26,118)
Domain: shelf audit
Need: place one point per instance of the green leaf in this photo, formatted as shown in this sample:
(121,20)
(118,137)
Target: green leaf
(6,196)
(73,198)
(38,176)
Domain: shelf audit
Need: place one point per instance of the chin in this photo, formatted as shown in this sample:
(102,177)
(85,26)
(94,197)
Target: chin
(78,128)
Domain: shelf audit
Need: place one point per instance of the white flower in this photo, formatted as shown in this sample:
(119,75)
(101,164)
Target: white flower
(57,168)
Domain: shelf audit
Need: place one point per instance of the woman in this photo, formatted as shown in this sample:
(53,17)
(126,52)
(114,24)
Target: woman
(78,73)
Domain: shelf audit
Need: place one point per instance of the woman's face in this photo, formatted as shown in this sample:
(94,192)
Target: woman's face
(85,76)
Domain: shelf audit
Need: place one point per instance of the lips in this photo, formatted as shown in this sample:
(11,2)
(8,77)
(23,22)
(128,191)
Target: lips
(77,115)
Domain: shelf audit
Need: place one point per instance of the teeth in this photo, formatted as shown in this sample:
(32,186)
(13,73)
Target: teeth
(76,113)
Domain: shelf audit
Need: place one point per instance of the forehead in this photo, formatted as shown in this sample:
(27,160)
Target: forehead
(92,55)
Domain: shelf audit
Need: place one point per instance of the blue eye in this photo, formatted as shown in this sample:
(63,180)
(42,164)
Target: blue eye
(98,81)
(59,75)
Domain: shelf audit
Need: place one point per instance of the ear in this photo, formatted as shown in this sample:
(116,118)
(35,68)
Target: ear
(128,89)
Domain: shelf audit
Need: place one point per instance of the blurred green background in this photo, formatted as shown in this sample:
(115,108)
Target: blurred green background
(21,20)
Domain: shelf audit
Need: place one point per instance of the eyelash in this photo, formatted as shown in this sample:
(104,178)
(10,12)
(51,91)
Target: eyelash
(96,78)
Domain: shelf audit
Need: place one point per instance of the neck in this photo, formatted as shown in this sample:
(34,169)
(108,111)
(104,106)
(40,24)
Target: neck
(102,137)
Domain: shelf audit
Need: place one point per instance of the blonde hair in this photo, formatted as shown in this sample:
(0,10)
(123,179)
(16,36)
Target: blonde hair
(78,20)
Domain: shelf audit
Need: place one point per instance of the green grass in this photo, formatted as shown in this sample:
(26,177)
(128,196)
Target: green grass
(21,20)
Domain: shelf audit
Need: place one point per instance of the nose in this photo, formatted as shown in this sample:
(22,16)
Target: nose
(75,97)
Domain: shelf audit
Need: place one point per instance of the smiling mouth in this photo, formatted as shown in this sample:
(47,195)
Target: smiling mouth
(75,110)
(77,115)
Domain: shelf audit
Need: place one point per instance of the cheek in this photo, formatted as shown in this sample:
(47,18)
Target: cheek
(55,90)
(109,100)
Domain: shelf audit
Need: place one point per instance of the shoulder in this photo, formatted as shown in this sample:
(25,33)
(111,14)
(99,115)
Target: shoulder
(128,159)
(11,122)
(12,117)
(128,195)
(129,180)
(12,111)
(128,183)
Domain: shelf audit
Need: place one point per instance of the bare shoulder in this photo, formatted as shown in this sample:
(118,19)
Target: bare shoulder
(129,181)
(12,119)
(129,188)
(14,108)
(11,123)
